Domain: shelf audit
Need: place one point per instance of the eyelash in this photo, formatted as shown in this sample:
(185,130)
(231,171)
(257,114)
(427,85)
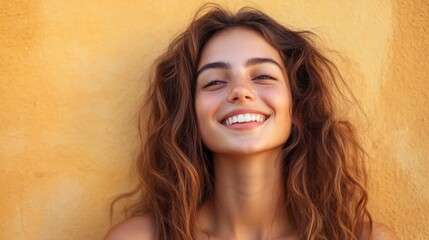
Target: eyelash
(213,83)
(264,77)
(259,77)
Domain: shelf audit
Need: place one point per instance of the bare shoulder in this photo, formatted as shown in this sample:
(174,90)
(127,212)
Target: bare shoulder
(136,228)
(382,232)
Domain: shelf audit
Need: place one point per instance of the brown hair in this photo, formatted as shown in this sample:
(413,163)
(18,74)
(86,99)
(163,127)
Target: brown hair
(324,177)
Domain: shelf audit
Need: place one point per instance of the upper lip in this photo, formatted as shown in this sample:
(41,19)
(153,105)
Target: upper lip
(242,111)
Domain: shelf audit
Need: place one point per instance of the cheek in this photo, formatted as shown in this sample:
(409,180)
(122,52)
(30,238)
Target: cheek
(281,103)
(203,112)
(199,110)
(280,100)
(285,103)
(205,108)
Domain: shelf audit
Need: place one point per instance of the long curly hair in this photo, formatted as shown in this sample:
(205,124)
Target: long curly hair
(324,179)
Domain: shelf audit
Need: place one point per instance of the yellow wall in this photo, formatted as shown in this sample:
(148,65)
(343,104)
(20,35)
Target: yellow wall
(70,84)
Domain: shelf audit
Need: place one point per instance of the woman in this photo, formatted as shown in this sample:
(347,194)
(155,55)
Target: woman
(243,140)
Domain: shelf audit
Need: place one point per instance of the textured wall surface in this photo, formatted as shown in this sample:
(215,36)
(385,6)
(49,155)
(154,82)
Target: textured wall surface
(72,75)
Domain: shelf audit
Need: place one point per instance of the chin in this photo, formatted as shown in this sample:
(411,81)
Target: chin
(247,150)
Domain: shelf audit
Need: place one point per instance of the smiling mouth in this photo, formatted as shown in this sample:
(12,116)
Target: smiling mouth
(245,118)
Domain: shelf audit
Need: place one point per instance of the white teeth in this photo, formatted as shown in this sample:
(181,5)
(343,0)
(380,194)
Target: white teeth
(248,117)
(240,118)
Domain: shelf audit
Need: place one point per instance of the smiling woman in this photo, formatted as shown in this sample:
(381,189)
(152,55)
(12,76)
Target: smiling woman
(242,97)
(242,140)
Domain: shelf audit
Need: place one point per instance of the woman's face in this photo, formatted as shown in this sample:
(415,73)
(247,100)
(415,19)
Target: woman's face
(242,98)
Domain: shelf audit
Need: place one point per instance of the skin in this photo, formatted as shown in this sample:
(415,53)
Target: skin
(247,171)
(245,86)
(247,199)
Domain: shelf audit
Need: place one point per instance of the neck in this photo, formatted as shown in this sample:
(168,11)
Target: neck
(248,196)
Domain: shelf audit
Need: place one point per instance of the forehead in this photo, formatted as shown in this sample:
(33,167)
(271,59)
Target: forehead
(235,45)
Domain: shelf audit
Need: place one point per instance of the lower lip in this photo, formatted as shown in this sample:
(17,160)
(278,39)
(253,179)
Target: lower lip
(244,126)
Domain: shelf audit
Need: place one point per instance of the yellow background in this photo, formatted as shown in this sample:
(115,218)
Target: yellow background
(72,76)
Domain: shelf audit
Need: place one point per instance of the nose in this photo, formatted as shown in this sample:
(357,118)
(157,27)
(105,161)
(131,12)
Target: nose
(241,91)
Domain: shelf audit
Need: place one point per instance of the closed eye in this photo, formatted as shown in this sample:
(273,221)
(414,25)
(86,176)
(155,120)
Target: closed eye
(214,83)
(265,77)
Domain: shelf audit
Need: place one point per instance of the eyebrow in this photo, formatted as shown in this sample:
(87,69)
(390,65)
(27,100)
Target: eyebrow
(249,62)
(214,65)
